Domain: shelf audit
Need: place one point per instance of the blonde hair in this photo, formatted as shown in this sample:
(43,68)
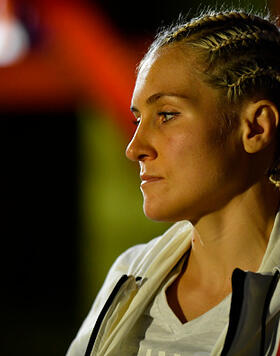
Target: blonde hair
(240,53)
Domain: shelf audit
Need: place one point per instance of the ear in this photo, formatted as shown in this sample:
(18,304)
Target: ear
(259,121)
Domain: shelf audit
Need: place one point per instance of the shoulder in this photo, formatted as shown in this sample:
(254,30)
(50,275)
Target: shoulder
(131,262)
(137,259)
(121,266)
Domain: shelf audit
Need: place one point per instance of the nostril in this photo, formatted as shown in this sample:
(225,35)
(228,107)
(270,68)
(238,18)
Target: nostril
(141,157)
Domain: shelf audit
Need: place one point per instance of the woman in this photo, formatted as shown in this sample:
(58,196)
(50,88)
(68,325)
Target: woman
(206,104)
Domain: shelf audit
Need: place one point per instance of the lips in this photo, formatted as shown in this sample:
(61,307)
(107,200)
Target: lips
(149,179)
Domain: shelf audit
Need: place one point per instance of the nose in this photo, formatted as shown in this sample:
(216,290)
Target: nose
(140,148)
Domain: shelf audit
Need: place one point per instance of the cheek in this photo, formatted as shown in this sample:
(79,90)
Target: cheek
(179,142)
(192,157)
(187,148)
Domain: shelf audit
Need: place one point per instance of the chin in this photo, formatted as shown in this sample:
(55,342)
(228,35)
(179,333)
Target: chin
(153,213)
(160,214)
(165,212)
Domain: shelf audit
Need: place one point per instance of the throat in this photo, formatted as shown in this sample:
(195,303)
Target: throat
(189,299)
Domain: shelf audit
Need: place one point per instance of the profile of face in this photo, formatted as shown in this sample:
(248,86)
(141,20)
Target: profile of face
(186,167)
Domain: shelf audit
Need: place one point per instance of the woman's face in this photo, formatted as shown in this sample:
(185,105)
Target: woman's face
(186,167)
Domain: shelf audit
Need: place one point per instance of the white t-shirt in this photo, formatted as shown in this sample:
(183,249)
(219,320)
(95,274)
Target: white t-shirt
(159,332)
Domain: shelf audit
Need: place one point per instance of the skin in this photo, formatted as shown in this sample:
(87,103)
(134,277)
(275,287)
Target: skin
(193,172)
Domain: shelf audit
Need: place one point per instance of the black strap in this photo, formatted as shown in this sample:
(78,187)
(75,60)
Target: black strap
(238,280)
(268,297)
(101,316)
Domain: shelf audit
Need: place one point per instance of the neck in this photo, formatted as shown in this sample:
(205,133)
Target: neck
(237,235)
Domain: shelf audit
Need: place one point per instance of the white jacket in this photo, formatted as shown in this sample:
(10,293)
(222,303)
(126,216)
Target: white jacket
(144,267)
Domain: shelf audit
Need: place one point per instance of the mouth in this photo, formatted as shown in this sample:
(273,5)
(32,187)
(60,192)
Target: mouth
(146,179)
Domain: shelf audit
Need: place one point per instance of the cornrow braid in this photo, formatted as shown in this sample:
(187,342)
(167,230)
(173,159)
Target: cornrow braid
(197,24)
(246,76)
(253,74)
(233,36)
(214,20)
(238,53)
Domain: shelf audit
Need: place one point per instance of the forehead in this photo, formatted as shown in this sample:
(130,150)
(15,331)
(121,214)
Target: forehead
(170,69)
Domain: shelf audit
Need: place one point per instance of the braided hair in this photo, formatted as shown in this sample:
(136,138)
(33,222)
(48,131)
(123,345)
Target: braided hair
(240,53)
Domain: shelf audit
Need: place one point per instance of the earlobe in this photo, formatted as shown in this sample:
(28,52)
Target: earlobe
(260,121)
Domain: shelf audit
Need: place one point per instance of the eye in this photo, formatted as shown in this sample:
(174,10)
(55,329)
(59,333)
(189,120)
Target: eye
(168,115)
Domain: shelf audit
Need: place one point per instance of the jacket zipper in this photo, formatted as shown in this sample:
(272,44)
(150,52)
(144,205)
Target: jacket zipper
(102,314)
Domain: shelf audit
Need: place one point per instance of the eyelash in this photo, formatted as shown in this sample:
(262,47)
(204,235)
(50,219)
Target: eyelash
(166,113)
(162,113)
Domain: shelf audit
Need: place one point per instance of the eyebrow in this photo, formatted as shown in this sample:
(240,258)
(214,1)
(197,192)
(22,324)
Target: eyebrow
(153,98)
